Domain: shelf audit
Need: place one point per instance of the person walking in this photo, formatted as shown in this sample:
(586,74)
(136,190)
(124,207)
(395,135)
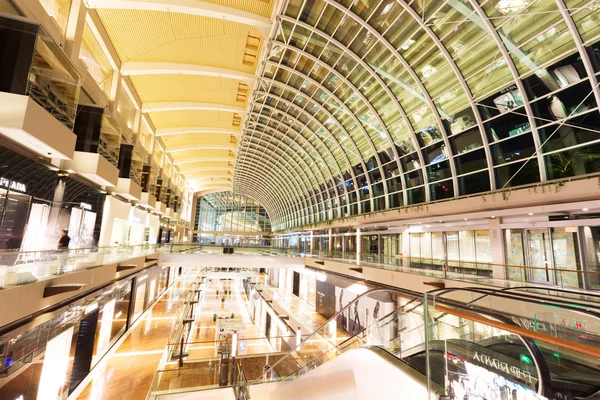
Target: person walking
(63,242)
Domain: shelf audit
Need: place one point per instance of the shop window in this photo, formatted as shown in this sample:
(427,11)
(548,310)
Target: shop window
(474,183)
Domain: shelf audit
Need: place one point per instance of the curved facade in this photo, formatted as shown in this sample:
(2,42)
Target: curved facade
(364,106)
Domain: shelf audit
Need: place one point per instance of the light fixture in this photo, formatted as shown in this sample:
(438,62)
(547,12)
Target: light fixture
(529,213)
(234,343)
(585,209)
(493,217)
(387,8)
(466,219)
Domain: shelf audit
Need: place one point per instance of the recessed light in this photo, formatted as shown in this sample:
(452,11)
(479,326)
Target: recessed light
(493,217)
(466,219)
(530,214)
(585,209)
(440,221)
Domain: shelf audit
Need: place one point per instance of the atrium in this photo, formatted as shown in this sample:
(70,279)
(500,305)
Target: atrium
(299,199)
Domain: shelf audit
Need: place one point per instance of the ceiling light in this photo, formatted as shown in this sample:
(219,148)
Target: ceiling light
(493,217)
(585,209)
(387,8)
(466,219)
(440,222)
(529,213)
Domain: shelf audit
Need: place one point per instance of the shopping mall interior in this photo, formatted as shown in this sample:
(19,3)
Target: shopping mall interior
(299,199)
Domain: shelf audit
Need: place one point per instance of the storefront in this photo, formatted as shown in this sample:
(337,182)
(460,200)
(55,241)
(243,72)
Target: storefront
(126,225)
(37,202)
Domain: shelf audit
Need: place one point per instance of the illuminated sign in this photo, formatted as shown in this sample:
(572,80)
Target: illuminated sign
(85,206)
(12,185)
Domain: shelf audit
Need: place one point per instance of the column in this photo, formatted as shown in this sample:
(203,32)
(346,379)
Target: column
(125,155)
(358,244)
(497,249)
(330,241)
(16,54)
(75,27)
(146,169)
(88,126)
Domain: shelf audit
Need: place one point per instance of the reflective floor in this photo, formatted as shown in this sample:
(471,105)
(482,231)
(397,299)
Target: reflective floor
(129,371)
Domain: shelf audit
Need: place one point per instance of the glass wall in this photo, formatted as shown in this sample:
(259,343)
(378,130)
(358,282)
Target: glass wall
(228,212)
(96,61)
(549,255)
(460,251)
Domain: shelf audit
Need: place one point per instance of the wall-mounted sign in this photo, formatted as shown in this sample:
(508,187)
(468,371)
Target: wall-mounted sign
(502,366)
(12,185)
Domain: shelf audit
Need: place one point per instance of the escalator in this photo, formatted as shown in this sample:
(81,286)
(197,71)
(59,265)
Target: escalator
(471,344)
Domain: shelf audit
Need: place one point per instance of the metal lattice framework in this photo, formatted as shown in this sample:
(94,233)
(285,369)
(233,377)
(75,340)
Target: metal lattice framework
(362,106)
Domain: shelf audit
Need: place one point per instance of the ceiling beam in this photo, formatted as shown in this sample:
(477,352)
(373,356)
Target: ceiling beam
(191,7)
(196,129)
(131,68)
(201,159)
(187,172)
(190,105)
(206,146)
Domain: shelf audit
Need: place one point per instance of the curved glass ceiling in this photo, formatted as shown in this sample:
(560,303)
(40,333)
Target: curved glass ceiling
(367,105)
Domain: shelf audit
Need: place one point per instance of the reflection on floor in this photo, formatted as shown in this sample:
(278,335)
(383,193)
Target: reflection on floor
(128,373)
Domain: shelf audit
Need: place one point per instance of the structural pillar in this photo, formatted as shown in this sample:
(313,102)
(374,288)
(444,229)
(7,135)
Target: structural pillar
(330,241)
(88,127)
(358,244)
(125,155)
(17,45)
(497,249)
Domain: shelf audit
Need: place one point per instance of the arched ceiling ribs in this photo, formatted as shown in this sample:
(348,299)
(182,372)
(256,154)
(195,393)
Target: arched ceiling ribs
(275,214)
(281,123)
(208,170)
(191,7)
(489,28)
(257,184)
(162,106)
(189,160)
(394,53)
(292,189)
(315,189)
(303,111)
(251,153)
(210,146)
(278,182)
(341,104)
(462,82)
(382,128)
(288,146)
(263,126)
(350,170)
(208,174)
(196,129)
(373,74)
(133,68)
(252,185)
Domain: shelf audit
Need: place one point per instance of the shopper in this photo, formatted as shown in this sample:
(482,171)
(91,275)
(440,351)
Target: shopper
(63,242)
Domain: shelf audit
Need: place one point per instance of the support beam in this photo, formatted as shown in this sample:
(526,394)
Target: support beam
(196,159)
(190,105)
(192,7)
(131,68)
(231,147)
(196,129)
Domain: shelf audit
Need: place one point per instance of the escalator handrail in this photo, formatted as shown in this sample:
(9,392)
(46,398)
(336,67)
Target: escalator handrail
(485,292)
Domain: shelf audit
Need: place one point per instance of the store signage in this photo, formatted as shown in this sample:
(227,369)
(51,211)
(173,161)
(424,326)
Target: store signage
(85,206)
(502,366)
(12,185)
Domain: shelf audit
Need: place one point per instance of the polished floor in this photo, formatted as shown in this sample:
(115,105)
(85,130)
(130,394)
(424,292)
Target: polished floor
(128,373)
